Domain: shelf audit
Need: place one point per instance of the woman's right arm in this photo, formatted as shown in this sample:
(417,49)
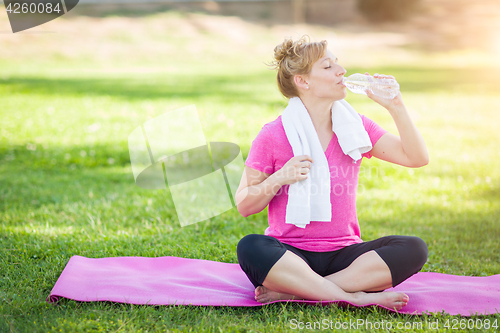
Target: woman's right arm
(257,188)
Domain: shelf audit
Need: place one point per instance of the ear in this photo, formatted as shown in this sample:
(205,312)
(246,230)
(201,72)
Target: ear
(301,82)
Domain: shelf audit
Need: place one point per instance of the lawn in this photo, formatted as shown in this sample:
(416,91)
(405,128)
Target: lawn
(69,100)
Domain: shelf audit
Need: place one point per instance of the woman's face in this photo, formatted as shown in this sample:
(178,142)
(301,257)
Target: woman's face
(325,78)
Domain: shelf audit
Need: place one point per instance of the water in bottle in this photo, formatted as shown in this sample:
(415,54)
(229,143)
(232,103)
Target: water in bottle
(358,83)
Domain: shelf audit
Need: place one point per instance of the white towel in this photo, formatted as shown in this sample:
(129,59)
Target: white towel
(348,126)
(309,199)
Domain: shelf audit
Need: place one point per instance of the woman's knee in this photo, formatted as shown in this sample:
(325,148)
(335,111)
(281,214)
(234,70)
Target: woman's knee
(246,244)
(255,247)
(418,250)
(406,255)
(257,254)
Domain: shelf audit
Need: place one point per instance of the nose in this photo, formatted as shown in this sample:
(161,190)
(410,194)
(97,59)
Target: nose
(342,71)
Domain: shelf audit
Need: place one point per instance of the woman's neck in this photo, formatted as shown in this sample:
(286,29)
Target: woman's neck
(320,113)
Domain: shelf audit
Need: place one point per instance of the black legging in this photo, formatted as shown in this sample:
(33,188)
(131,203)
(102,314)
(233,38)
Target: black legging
(405,256)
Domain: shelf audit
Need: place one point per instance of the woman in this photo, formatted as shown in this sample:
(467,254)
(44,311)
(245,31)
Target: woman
(324,261)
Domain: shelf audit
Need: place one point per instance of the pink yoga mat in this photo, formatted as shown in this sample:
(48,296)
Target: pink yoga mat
(181,281)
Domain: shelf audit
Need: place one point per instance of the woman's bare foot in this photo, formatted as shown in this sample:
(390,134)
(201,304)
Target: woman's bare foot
(264,295)
(389,299)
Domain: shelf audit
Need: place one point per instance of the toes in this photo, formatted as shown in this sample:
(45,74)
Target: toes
(400,305)
(259,290)
(262,299)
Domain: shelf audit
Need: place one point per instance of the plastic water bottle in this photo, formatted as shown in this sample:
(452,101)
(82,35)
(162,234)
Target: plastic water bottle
(358,83)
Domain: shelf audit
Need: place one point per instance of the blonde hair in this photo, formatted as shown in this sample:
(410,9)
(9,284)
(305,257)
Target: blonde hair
(295,58)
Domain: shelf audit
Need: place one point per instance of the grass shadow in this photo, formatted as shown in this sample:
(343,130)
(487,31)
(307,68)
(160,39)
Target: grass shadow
(239,86)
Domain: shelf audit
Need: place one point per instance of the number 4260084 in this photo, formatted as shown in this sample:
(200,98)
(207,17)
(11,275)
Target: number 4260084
(455,324)
(32,8)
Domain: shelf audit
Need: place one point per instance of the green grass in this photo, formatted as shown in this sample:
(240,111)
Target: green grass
(66,184)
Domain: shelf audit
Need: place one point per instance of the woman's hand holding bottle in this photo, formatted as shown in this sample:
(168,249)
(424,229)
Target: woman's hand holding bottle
(385,102)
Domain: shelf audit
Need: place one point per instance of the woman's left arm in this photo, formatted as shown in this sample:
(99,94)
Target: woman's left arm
(409,148)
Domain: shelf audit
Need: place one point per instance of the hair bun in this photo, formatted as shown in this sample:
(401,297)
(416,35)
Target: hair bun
(283,50)
(295,58)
